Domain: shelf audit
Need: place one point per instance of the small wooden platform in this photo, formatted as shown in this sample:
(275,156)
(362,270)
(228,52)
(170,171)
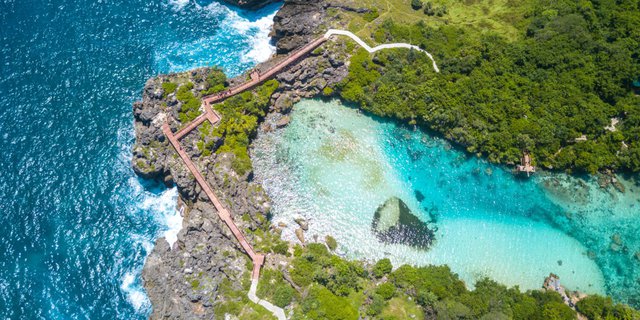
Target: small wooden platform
(525,164)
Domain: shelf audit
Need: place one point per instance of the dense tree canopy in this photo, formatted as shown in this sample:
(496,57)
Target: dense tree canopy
(568,74)
(330,287)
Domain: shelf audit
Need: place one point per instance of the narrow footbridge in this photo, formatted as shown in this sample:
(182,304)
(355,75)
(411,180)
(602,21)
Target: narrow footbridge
(213,117)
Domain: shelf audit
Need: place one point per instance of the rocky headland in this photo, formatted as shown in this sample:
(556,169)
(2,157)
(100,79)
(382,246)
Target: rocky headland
(189,278)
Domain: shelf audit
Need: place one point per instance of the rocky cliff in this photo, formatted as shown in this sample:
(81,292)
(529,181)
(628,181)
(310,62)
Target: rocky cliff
(183,281)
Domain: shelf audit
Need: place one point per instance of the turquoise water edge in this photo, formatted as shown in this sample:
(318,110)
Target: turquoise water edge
(76,222)
(334,166)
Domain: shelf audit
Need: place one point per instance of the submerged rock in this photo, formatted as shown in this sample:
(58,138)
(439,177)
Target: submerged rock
(283,122)
(394,222)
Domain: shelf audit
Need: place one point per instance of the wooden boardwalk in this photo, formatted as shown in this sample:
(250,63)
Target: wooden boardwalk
(257,78)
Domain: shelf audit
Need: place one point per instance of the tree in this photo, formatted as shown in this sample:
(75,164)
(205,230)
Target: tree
(382,267)
(386,290)
(416,4)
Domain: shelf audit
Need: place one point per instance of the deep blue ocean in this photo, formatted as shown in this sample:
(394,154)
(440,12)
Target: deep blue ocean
(76,224)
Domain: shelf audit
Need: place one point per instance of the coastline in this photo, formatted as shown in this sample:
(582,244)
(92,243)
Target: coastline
(187,278)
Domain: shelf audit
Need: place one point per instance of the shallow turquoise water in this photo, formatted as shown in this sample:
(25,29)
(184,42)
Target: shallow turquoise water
(76,223)
(335,166)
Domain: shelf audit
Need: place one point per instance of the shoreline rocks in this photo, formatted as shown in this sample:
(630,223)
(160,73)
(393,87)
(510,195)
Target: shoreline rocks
(296,24)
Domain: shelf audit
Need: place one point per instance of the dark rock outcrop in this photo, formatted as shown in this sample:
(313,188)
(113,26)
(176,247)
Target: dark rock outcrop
(297,23)
(394,222)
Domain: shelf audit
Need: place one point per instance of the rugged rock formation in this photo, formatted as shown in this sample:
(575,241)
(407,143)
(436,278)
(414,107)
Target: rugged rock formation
(184,281)
(297,23)
(394,222)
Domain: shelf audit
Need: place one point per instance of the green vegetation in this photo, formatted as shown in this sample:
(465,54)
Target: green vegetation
(190,100)
(597,307)
(371,15)
(169,88)
(190,108)
(240,115)
(504,17)
(565,72)
(331,242)
(274,288)
(216,80)
(382,267)
(333,288)
(237,303)
(269,242)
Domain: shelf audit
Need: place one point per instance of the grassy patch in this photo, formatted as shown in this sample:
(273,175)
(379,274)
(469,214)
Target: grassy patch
(504,17)
(402,308)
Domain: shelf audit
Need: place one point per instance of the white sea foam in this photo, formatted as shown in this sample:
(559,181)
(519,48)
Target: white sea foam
(258,35)
(174,224)
(134,292)
(178,4)
(261,47)
(163,206)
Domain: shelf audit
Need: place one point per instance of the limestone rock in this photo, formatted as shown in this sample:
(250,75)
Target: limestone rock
(300,235)
(283,122)
(283,103)
(297,23)
(303,223)
(393,222)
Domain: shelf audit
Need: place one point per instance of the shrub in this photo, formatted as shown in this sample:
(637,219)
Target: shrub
(386,290)
(382,267)
(558,311)
(416,4)
(322,304)
(331,242)
(376,306)
(283,295)
(282,247)
(371,15)
(437,279)
(169,88)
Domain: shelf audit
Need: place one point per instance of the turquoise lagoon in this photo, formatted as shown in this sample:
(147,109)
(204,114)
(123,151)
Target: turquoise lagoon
(334,166)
